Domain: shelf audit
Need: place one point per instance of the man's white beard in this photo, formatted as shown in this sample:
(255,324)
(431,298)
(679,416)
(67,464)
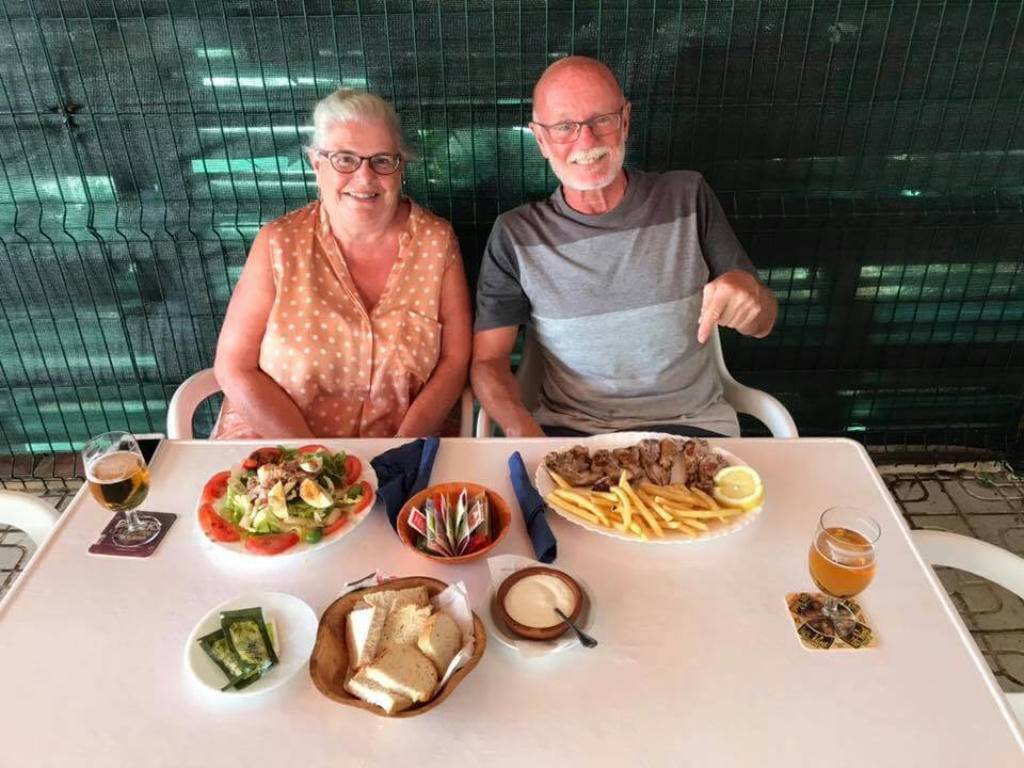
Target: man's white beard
(568,178)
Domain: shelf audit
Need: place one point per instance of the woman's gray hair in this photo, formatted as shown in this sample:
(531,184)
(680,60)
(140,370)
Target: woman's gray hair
(345,105)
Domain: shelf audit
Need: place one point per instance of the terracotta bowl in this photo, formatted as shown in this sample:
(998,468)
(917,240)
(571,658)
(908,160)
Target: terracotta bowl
(538,633)
(329,668)
(501,519)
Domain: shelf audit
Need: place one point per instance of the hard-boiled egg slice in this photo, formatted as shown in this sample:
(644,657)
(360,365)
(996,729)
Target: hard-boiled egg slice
(314,495)
(276,501)
(312,462)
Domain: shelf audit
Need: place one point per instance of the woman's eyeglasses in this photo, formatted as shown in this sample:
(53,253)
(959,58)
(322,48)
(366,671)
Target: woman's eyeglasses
(348,162)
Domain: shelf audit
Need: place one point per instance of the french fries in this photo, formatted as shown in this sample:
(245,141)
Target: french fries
(642,510)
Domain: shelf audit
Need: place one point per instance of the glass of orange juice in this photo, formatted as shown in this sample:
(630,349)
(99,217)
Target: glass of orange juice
(842,561)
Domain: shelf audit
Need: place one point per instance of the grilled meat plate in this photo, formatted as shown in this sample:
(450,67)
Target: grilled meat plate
(650,460)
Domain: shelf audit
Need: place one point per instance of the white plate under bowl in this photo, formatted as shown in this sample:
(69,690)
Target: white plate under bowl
(716,528)
(296,626)
(302,548)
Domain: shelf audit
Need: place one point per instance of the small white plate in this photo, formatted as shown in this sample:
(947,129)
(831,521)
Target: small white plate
(716,528)
(296,626)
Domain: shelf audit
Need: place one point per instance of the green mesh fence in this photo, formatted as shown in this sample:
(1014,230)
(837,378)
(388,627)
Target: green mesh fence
(870,154)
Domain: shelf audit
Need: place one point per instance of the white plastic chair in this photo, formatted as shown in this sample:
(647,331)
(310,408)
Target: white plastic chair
(199,386)
(980,558)
(28,513)
(762,406)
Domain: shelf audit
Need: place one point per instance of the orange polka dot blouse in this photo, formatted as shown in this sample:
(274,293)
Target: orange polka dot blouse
(350,372)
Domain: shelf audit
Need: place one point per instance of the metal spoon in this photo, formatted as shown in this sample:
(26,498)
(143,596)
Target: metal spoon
(585,639)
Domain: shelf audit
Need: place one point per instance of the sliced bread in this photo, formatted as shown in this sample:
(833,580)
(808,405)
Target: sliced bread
(362,686)
(390,598)
(439,640)
(363,631)
(403,626)
(406,671)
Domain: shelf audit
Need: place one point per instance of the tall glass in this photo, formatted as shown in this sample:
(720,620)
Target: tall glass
(842,561)
(119,480)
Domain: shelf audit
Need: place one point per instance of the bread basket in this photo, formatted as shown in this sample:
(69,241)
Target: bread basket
(329,663)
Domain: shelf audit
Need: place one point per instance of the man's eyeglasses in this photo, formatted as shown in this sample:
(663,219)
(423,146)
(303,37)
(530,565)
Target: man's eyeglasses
(347,162)
(569,130)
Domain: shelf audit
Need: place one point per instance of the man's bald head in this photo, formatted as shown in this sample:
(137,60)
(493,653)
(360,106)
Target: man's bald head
(569,75)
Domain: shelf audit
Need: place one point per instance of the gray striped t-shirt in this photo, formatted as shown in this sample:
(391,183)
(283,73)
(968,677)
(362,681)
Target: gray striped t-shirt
(614,301)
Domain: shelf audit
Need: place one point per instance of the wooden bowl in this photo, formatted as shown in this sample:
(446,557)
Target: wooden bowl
(501,519)
(329,667)
(538,633)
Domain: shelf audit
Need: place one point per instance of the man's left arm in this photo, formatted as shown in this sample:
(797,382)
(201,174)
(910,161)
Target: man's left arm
(734,297)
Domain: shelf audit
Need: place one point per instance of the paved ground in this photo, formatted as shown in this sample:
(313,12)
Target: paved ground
(981,500)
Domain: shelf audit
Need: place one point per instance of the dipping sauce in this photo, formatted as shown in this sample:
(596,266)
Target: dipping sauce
(532,600)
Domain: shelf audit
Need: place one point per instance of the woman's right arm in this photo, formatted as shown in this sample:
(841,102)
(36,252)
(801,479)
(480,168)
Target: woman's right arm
(266,408)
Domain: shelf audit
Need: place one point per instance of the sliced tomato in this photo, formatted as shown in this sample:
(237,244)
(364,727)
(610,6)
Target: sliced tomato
(365,500)
(216,486)
(353,469)
(337,525)
(313,448)
(271,543)
(215,526)
(262,456)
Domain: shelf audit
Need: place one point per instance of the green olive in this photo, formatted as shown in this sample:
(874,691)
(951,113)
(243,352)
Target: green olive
(313,535)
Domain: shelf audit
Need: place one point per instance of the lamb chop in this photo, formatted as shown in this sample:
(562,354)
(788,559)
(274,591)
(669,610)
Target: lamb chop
(692,451)
(707,468)
(573,465)
(628,459)
(653,460)
(603,463)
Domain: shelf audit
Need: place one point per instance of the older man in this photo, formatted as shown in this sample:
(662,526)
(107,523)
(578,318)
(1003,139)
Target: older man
(622,276)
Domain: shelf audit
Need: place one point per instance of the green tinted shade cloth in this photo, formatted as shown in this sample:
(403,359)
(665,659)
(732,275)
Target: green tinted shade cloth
(869,156)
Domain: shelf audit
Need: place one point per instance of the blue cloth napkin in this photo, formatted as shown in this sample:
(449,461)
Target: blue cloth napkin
(403,472)
(530,502)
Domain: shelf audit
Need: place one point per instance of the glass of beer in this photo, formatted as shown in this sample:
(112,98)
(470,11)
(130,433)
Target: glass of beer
(119,480)
(842,561)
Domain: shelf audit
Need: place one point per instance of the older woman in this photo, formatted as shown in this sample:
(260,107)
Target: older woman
(351,317)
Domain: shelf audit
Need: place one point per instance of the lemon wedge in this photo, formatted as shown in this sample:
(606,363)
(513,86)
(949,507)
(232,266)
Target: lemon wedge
(739,487)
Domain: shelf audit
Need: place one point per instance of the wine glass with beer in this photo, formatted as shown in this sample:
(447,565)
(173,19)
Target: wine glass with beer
(119,480)
(842,561)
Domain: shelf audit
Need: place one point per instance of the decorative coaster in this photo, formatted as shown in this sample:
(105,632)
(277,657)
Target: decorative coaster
(817,633)
(105,544)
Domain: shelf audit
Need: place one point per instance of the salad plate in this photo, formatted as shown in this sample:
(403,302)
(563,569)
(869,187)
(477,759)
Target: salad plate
(286,501)
(295,625)
(711,527)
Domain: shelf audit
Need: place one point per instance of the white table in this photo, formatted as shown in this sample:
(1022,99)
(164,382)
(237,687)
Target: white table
(698,663)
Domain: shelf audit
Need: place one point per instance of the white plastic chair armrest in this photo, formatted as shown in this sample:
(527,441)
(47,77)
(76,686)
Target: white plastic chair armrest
(28,513)
(762,406)
(187,398)
(986,560)
(484,425)
(978,557)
